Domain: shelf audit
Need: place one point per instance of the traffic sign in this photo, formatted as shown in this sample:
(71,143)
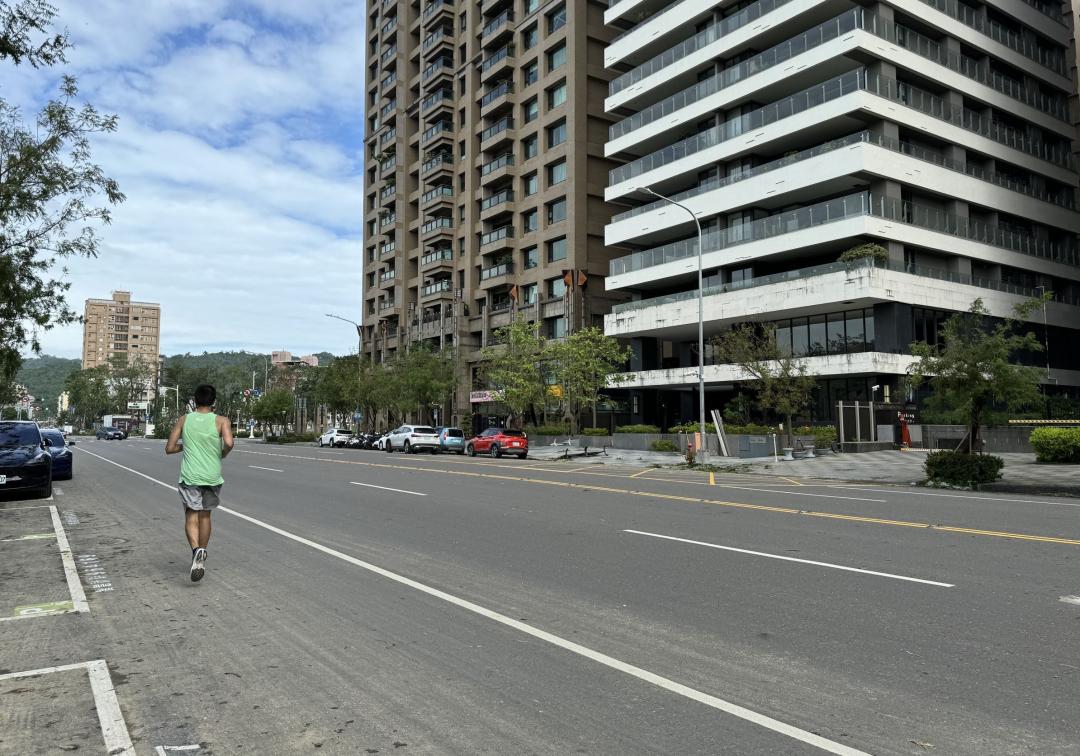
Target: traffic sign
(247,392)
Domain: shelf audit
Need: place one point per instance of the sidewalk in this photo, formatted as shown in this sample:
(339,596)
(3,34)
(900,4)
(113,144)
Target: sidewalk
(1021,473)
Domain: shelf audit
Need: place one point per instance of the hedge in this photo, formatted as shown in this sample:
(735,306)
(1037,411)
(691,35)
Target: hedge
(1056,446)
(663,445)
(595,431)
(637,429)
(961,469)
(291,438)
(550,430)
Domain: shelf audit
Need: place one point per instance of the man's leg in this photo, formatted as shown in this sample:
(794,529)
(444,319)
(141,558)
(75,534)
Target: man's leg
(191,526)
(204,529)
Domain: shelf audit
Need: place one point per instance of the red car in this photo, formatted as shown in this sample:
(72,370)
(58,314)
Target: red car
(497,442)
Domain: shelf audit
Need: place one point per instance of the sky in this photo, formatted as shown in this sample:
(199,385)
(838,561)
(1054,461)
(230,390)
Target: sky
(239,148)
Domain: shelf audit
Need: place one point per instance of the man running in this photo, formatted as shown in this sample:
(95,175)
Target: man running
(207,440)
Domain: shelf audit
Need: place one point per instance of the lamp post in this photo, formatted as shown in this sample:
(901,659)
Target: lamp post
(359,352)
(176,390)
(703,452)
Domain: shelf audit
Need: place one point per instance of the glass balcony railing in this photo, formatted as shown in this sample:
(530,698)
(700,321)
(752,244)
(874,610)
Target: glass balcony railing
(387,248)
(435,68)
(442,127)
(501,54)
(436,288)
(435,98)
(497,23)
(504,232)
(388,54)
(506,195)
(497,128)
(434,38)
(387,191)
(1061,198)
(844,208)
(387,136)
(388,275)
(389,26)
(495,271)
(500,162)
(435,193)
(852,81)
(856,18)
(435,162)
(387,219)
(435,224)
(436,256)
(434,7)
(495,93)
(387,304)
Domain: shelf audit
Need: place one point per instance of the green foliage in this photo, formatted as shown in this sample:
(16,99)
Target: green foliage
(1057,446)
(89,394)
(594,431)
(737,411)
(273,408)
(780,380)
(583,364)
(750,429)
(637,429)
(291,438)
(50,189)
(875,252)
(663,445)
(514,367)
(974,368)
(128,381)
(44,377)
(551,430)
(962,469)
(825,436)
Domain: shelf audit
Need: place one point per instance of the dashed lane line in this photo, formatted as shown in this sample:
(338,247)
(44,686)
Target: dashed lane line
(706,699)
(387,488)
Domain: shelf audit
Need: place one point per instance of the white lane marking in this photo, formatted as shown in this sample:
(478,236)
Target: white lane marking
(57,491)
(164,750)
(113,728)
(1069,599)
(271,469)
(962,496)
(385,488)
(78,597)
(659,681)
(830,565)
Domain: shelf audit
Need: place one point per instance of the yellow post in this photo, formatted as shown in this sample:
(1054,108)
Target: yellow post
(712,479)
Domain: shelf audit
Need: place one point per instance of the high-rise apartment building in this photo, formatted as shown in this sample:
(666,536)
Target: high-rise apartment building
(119,329)
(485,174)
(797,129)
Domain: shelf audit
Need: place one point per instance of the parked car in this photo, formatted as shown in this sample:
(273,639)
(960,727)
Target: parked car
(412,438)
(499,441)
(25,462)
(108,432)
(380,442)
(335,437)
(62,464)
(450,440)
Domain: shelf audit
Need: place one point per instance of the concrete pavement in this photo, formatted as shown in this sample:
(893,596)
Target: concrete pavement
(382,607)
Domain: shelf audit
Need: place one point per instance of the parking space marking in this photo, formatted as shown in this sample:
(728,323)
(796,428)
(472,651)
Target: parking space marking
(165,750)
(113,727)
(30,537)
(783,558)
(78,597)
(385,488)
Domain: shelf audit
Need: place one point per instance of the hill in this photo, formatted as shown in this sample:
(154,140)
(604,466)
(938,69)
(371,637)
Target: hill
(44,377)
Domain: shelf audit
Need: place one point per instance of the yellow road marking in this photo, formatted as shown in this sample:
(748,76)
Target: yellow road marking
(712,478)
(647,469)
(789,480)
(695,500)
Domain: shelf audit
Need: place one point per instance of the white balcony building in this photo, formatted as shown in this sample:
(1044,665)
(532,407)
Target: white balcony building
(796,129)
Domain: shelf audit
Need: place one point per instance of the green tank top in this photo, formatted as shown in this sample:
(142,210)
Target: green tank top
(201,465)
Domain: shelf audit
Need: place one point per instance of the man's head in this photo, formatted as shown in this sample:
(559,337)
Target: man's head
(205,396)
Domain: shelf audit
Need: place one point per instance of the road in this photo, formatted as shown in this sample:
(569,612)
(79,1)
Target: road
(360,602)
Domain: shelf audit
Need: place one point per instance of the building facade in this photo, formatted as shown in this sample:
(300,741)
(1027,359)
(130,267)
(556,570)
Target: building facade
(125,331)
(485,176)
(797,129)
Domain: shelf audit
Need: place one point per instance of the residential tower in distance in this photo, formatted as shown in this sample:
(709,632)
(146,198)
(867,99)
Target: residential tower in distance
(121,331)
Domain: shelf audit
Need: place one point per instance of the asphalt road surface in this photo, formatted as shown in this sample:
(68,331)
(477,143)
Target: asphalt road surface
(358,602)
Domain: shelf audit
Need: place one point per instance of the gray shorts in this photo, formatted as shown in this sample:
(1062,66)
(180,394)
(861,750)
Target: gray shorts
(199,498)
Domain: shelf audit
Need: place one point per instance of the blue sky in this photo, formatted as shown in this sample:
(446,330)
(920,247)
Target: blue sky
(240,150)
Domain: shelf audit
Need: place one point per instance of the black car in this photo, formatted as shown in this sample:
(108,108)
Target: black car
(62,463)
(25,462)
(108,432)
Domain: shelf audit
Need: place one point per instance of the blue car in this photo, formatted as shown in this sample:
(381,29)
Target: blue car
(450,440)
(62,465)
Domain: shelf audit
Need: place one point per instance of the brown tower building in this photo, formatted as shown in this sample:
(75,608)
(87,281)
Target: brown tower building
(485,174)
(123,329)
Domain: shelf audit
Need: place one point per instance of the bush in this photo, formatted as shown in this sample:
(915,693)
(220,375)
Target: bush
(663,445)
(751,429)
(825,436)
(594,431)
(637,429)
(960,469)
(551,430)
(241,434)
(876,252)
(291,438)
(1056,446)
(693,428)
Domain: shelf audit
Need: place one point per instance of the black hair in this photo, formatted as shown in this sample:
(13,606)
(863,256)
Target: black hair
(205,395)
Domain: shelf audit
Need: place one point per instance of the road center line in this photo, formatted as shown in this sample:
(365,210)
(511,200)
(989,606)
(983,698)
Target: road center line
(271,469)
(385,488)
(611,662)
(830,565)
(962,496)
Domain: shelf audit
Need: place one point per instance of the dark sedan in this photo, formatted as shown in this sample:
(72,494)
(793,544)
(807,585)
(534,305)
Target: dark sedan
(25,463)
(62,464)
(107,432)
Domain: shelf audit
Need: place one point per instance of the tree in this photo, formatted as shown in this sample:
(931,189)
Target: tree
(49,188)
(779,379)
(585,363)
(273,408)
(513,367)
(972,367)
(128,380)
(420,379)
(89,395)
(875,252)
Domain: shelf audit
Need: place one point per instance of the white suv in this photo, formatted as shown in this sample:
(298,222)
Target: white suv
(412,438)
(334,437)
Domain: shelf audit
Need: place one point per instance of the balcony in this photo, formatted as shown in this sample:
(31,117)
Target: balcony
(500,238)
(440,289)
(495,99)
(387,135)
(387,192)
(435,195)
(387,219)
(435,9)
(389,26)
(496,274)
(437,39)
(496,28)
(388,108)
(387,277)
(432,133)
(387,304)
(436,67)
(388,55)
(497,169)
(496,204)
(437,258)
(387,249)
(501,60)
(443,161)
(388,165)
(436,225)
(435,99)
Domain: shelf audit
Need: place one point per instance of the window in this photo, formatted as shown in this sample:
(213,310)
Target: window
(556,250)
(530,73)
(530,110)
(556,134)
(556,57)
(530,185)
(529,38)
(556,173)
(556,327)
(556,288)
(528,294)
(530,147)
(556,211)
(530,258)
(530,6)
(529,221)
(556,19)
(556,96)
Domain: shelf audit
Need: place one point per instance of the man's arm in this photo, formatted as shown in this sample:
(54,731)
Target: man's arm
(225,429)
(173,445)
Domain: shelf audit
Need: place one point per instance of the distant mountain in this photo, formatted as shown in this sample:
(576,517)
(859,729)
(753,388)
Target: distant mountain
(213,359)
(44,377)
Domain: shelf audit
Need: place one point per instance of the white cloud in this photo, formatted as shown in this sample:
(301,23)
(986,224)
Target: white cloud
(238,149)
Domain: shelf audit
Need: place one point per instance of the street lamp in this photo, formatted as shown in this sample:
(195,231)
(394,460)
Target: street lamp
(176,391)
(704,451)
(359,354)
